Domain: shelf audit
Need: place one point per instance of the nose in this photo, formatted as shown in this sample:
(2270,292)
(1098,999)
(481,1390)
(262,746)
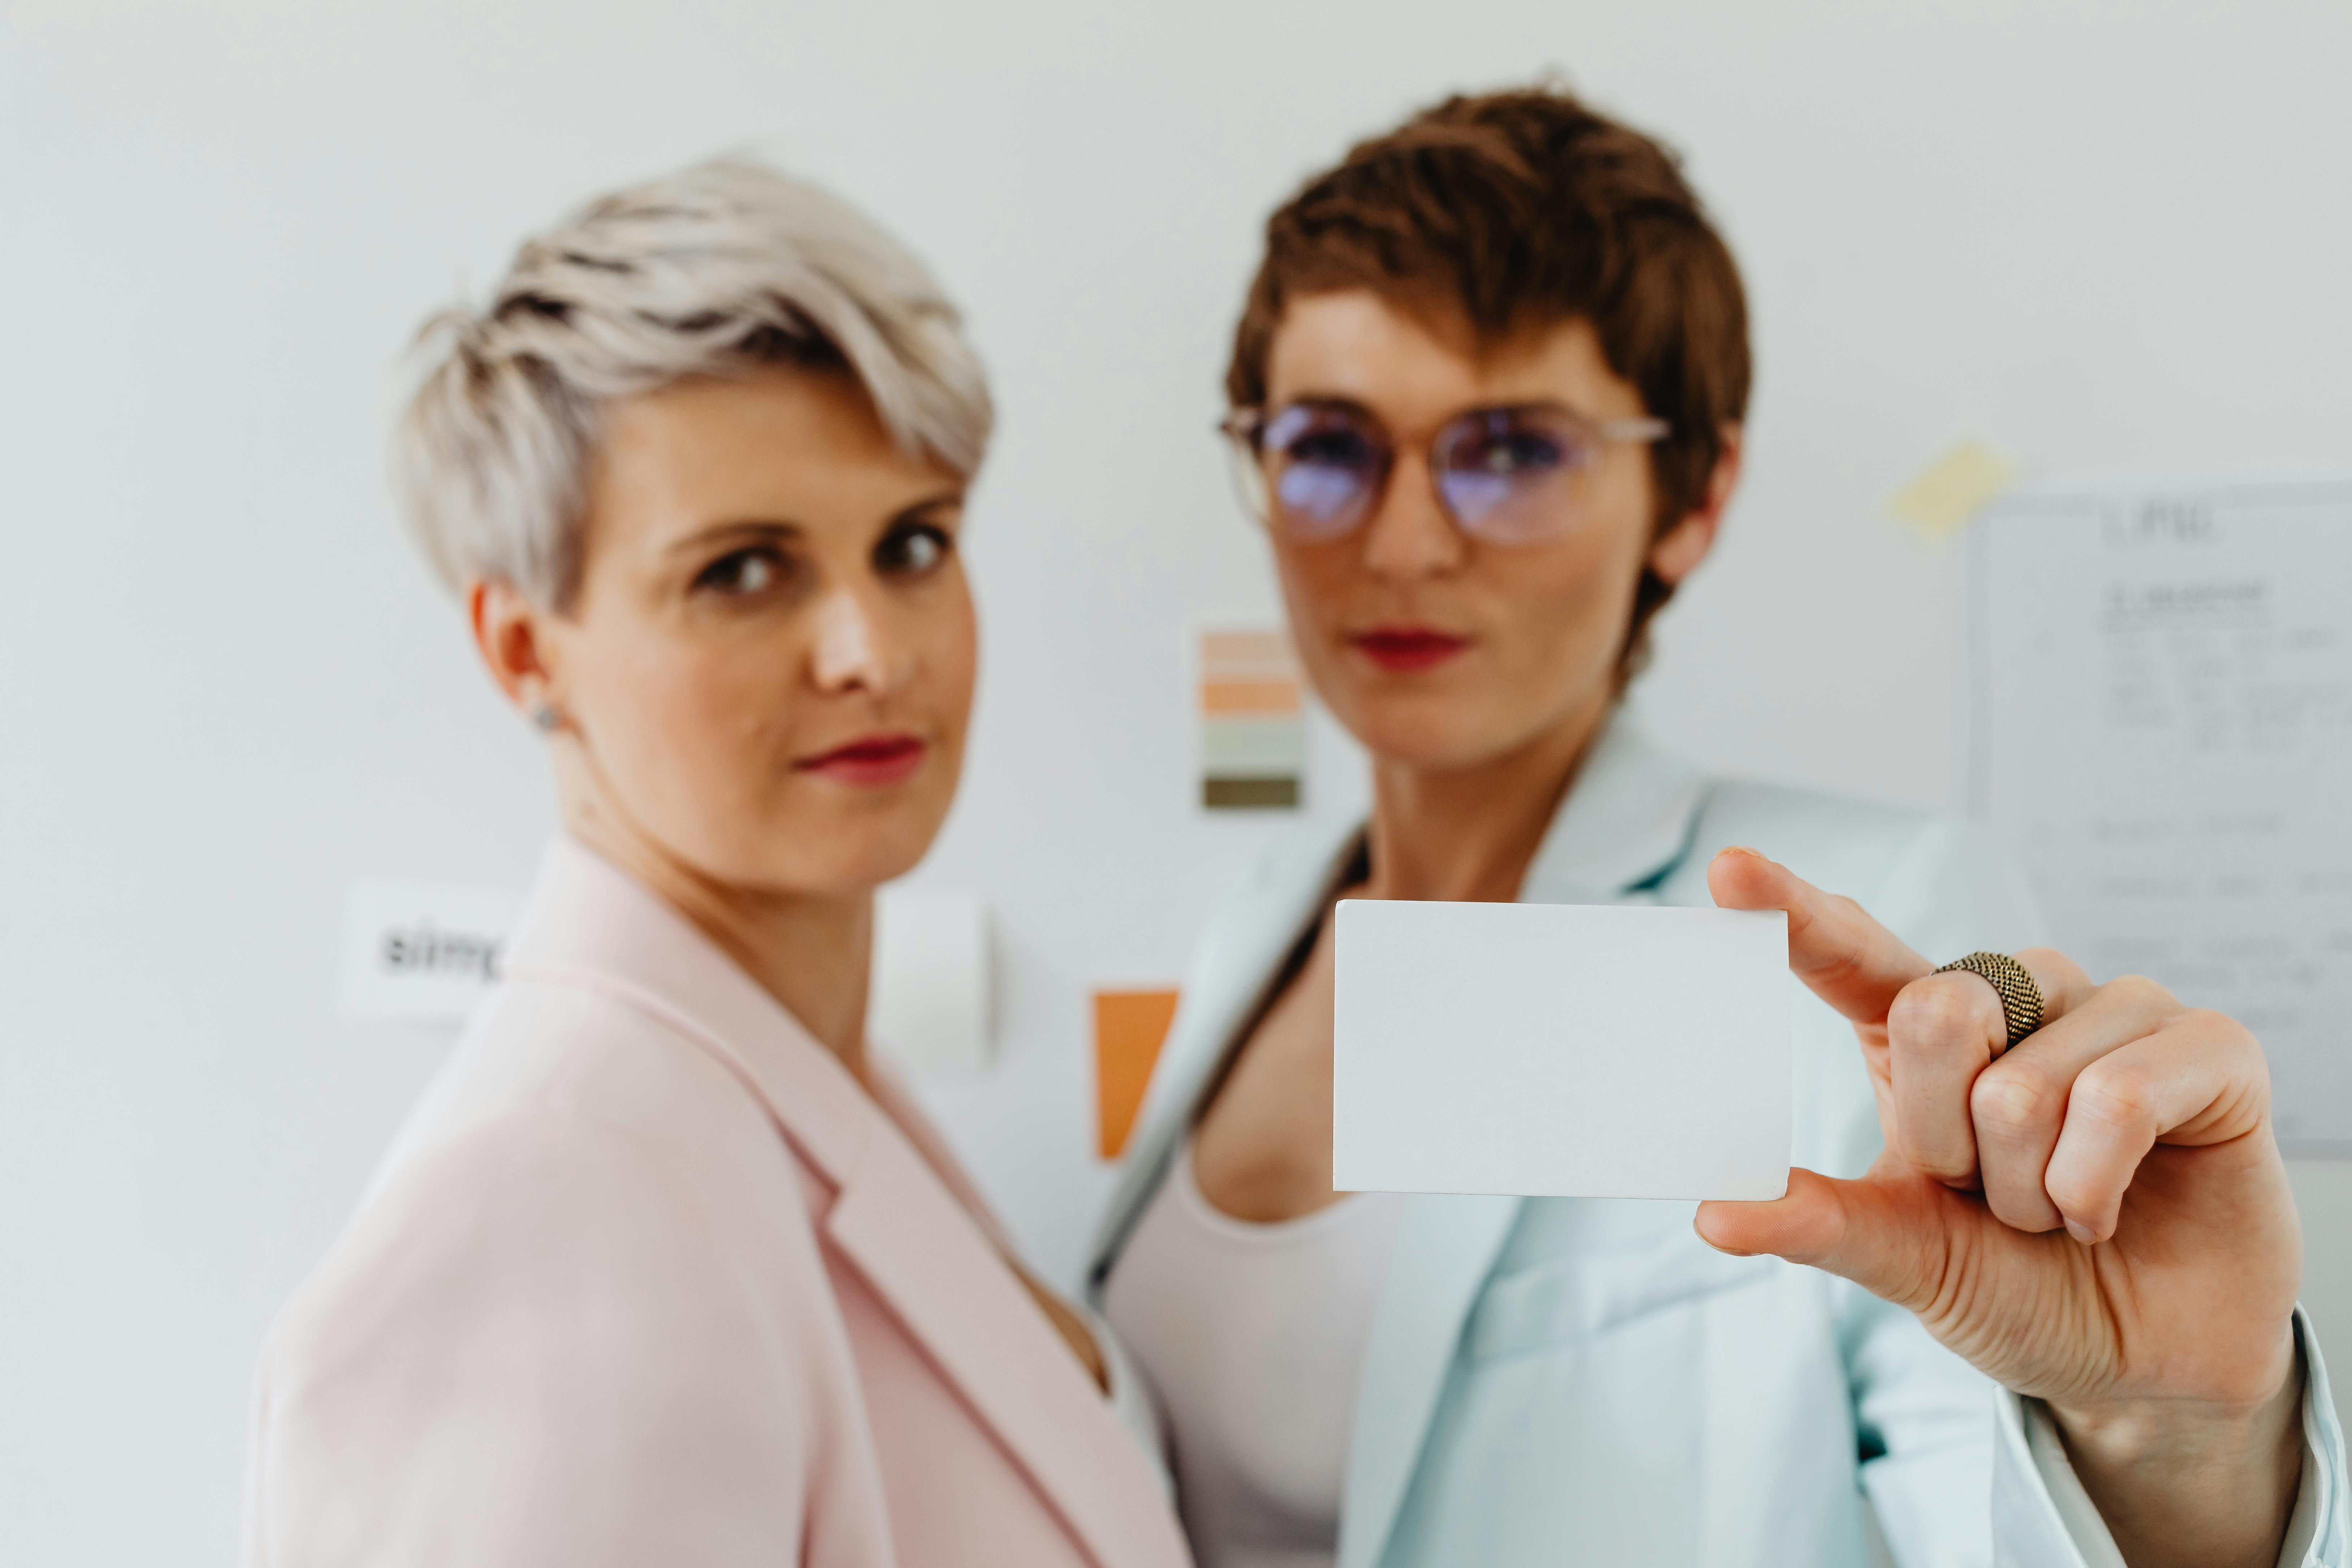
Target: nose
(1409,535)
(853,652)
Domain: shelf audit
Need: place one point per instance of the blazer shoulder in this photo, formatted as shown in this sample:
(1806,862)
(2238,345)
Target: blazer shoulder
(578,1146)
(1929,878)
(1800,826)
(524,1331)
(587,1057)
(1268,899)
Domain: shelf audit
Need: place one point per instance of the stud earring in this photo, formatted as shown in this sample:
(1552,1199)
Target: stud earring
(544,718)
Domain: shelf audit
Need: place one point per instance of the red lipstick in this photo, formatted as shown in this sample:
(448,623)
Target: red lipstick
(869,762)
(1404,650)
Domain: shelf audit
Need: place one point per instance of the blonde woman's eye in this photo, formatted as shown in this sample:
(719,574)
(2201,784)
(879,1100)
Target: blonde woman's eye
(741,573)
(912,550)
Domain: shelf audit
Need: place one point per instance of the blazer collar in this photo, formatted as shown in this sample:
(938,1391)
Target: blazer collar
(1627,819)
(591,926)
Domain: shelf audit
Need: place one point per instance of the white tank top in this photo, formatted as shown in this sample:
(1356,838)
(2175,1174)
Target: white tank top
(1253,1337)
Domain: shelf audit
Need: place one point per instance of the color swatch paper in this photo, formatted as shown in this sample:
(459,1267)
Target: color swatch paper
(1562,1050)
(1130,1027)
(1253,722)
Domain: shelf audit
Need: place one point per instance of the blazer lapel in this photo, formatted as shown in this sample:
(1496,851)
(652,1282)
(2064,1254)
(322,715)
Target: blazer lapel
(1445,1247)
(928,1259)
(1626,821)
(591,927)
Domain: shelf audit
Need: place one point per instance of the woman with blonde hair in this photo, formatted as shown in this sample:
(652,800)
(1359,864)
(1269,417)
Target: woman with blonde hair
(663,1269)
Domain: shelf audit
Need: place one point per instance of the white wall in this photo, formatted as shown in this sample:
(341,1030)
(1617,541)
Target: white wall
(2111,238)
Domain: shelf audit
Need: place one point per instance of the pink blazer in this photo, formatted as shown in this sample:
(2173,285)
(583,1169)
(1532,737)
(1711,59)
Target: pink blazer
(646,1279)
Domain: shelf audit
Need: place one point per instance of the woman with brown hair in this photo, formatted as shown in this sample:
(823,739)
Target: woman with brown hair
(1488,395)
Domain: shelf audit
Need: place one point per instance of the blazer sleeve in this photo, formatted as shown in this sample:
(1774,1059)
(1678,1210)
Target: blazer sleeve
(1947,1453)
(530,1350)
(2042,1517)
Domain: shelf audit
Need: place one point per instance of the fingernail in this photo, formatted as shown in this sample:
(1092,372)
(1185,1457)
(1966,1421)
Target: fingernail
(2082,1233)
(1743,849)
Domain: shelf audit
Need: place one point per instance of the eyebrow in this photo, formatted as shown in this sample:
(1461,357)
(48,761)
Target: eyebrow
(745,531)
(1499,406)
(1323,400)
(765,530)
(944,499)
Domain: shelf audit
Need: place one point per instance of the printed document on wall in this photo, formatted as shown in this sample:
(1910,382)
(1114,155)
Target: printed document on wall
(2163,736)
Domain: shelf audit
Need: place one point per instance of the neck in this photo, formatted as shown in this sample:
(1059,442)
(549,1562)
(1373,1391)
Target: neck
(810,951)
(1468,835)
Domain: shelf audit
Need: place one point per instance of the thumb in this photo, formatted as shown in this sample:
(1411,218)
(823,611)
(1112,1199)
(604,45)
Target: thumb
(1894,1244)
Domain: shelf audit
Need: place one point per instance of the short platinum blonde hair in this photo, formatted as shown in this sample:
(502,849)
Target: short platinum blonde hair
(717,270)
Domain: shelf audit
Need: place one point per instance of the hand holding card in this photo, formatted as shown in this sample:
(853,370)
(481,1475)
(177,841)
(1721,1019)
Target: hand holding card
(2097,1215)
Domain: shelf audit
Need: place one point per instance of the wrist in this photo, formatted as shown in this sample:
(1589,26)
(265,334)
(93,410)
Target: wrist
(2207,1481)
(2163,1431)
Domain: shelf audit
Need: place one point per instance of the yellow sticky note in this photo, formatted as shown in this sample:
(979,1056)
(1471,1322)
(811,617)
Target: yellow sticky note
(1953,489)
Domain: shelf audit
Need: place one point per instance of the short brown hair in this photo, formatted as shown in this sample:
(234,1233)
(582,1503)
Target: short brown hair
(1522,209)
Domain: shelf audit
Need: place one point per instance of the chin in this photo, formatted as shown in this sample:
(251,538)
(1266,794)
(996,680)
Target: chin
(849,864)
(1424,733)
(860,851)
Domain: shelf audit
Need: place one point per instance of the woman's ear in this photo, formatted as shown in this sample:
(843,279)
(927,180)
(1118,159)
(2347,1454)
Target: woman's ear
(507,631)
(1678,551)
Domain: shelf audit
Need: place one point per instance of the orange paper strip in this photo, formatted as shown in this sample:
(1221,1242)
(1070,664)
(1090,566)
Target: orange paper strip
(1128,1028)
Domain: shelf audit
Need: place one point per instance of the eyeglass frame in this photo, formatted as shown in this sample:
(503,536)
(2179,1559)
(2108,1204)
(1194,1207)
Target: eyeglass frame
(1245,427)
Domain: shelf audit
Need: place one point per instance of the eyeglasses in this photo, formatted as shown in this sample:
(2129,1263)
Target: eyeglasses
(1314,471)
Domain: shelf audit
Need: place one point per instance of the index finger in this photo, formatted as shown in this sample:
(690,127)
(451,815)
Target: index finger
(1844,956)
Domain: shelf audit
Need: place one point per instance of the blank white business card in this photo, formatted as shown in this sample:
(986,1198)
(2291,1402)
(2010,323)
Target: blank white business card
(1562,1050)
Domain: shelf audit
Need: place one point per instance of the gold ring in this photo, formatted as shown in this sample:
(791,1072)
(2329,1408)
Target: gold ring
(2020,998)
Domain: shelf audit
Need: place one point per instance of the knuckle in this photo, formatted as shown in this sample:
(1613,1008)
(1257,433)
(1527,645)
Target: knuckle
(2012,1100)
(2225,1031)
(2074,1192)
(1934,1011)
(2141,992)
(2113,1096)
(1943,1159)
(2050,962)
(2024,1211)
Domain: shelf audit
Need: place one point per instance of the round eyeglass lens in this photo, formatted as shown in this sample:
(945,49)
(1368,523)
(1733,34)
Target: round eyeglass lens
(1323,467)
(1511,475)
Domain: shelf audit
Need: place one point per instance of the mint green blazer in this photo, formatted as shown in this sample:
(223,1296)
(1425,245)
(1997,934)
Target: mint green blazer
(1562,1381)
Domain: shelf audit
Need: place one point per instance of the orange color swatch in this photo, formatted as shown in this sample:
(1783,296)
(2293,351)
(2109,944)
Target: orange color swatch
(1128,1028)
(1221,697)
